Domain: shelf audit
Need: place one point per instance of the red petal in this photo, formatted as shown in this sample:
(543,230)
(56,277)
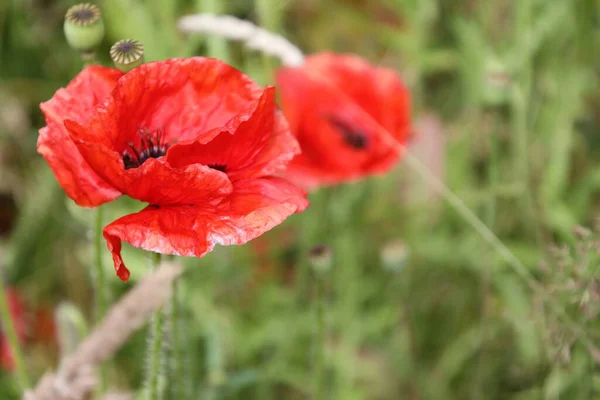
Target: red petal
(378,91)
(332,91)
(254,207)
(260,146)
(76,102)
(186,97)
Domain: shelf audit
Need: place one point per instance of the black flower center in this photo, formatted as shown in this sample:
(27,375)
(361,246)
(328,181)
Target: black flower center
(218,167)
(151,145)
(352,135)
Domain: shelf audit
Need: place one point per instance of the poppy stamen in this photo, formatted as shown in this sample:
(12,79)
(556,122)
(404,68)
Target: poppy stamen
(152,145)
(218,167)
(353,136)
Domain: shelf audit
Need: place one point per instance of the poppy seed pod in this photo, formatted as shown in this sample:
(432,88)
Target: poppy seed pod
(320,258)
(127,54)
(83,27)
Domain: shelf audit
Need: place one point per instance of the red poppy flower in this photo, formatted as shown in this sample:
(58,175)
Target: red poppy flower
(17,312)
(76,102)
(201,143)
(349,117)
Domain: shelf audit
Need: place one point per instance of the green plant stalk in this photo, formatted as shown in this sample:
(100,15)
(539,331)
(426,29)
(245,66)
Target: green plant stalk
(270,14)
(177,362)
(347,270)
(487,267)
(216,46)
(98,277)
(98,274)
(520,99)
(155,348)
(13,340)
(320,342)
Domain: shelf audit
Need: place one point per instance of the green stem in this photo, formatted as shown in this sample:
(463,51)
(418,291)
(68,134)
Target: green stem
(177,345)
(98,273)
(216,46)
(13,340)
(155,348)
(98,277)
(89,59)
(320,339)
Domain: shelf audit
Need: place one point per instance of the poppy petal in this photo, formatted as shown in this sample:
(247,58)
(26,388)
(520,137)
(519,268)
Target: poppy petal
(385,97)
(254,207)
(185,97)
(260,146)
(76,102)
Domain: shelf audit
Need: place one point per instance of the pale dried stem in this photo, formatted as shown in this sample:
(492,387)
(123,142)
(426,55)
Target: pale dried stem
(76,378)
(252,36)
(117,396)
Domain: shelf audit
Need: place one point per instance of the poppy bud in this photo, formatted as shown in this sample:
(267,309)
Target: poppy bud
(127,54)
(394,255)
(320,258)
(83,27)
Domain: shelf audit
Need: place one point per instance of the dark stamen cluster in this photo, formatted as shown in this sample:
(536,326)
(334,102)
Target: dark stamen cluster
(83,14)
(218,167)
(353,136)
(152,145)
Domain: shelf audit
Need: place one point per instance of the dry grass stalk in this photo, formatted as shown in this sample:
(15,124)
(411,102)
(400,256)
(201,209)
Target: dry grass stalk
(75,378)
(252,36)
(117,396)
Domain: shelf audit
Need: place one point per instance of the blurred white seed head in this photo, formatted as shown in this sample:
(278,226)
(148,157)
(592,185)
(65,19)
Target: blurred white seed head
(394,255)
(250,35)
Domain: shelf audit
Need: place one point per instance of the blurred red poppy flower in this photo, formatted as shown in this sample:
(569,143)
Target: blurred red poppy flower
(201,143)
(18,314)
(349,117)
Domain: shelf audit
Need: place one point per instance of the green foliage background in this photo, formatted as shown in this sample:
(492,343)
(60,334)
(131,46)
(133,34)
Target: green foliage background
(506,110)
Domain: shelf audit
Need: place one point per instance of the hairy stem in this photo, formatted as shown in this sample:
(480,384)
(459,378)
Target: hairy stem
(155,349)
(98,278)
(320,338)
(177,362)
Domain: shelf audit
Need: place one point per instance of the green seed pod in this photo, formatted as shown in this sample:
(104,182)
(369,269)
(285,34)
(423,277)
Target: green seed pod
(320,258)
(83,27)
(127,54)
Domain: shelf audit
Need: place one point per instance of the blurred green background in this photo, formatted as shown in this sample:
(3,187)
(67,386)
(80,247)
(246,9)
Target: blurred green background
(507,114)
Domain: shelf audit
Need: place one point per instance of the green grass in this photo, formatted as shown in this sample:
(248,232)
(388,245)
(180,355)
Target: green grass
(515,88)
